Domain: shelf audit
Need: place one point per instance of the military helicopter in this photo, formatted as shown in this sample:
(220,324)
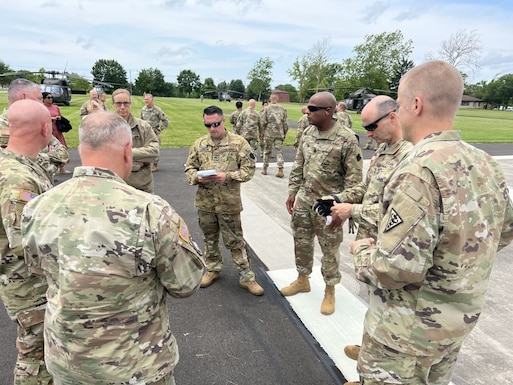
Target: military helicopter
(225,96)
(57,84)
(358,99)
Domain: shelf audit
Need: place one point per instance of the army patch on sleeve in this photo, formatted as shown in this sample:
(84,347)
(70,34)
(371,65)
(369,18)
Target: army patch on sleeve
(27,196)
(394,220)
(183,231)
(252,155)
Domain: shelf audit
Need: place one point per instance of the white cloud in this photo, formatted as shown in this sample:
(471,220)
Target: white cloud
(223,39)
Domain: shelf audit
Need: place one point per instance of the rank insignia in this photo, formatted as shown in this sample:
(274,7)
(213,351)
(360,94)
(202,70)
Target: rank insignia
(394,220)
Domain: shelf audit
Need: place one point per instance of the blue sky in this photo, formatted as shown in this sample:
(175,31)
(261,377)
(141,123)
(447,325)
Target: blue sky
(223,39)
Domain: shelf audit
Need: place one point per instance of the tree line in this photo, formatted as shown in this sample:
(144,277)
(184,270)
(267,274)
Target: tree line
(377,65)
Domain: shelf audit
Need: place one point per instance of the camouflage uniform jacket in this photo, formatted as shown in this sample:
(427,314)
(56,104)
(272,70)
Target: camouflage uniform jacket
(367,196)
(231,155)
(345,119)
(274,121)
(88,107)
(326,163)
(21,179)
(156,117)
(145,150)
(302,125)
(110,253)
(234,116)
(446,213)
(248,124)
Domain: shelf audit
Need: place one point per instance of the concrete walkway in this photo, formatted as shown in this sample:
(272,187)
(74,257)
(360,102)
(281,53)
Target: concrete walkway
(487,355)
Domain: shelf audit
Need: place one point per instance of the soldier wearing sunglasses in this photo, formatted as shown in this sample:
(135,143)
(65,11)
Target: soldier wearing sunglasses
(218,163)
(328,161)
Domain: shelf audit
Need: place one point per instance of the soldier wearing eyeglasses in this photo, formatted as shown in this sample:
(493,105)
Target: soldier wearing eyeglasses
(328,160)
(145,144)
(231,161)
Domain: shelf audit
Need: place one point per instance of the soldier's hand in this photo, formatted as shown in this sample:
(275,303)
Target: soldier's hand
(352,225)
(322,206)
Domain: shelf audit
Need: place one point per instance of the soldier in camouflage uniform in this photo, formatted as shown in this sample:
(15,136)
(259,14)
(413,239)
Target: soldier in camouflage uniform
(109,266)
(92,105)
(345,118)
(21,180)
(446,212)
(235,114)
(302,124)
(362,203)
(248,125)
(145,145)
(274,125)
(157,119)
(328,160)
(218,197)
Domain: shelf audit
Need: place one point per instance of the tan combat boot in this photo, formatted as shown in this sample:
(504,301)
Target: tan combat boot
(264,171)
(280,173)
(253,287)
(300,285)
(352,351)
(209,277)
(328,303)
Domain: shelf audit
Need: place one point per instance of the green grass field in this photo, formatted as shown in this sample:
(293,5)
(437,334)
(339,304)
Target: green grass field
(186,120)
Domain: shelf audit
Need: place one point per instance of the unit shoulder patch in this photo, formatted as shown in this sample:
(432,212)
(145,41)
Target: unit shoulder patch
(394,220)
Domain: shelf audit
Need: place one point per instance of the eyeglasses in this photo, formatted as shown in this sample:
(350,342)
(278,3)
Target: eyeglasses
(49,97)
(372,126)
(316,108)
(215,124)
(119,104)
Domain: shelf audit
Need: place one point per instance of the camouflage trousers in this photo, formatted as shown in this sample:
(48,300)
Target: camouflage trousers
(30,366)
(306,224)
(381,365)
(157,133)
(167,380)
(269,143)
(230,226)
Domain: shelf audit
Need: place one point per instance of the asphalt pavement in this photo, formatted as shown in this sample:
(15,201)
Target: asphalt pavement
(227,336)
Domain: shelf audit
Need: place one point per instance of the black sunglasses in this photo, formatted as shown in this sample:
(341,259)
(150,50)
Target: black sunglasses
(372,126)
(215,124)
(49,97)
(316,108)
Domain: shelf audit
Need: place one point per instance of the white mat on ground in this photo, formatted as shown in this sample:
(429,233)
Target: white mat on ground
(344,327)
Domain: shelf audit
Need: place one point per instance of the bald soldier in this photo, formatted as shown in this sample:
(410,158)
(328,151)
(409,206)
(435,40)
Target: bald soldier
(446,211)
(21,180)
(109,265)
(328,161)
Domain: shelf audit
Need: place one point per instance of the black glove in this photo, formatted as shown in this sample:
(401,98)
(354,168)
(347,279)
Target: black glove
(323,205)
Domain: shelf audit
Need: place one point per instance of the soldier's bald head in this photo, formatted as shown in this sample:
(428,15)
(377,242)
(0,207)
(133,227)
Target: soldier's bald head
(324,99)
(30,127)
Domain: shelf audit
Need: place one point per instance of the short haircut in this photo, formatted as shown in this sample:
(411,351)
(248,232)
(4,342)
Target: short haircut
(18,87)
(212,110)
(104,129)
(238,104)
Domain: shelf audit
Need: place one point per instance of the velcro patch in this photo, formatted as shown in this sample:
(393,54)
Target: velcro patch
(27,196)
(183,231)
(394,220)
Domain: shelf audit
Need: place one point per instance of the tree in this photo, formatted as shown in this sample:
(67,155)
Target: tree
(400,69)
(462,50)
(209,89)
(376,60)
(237,88)
(150,80)
(188,83)
(299,72)
(499,92)
(260,77)
(110,71)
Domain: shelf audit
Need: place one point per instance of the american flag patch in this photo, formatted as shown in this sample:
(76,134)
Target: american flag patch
(183,232)
(27,196)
